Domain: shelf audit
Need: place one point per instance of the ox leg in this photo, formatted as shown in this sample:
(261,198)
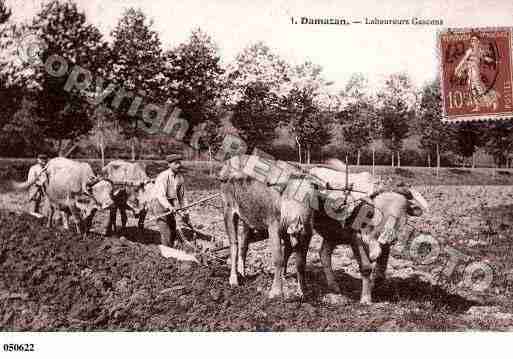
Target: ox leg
(277,256)
(65,218)
(140,222)
(287,251)
(378,274)
(49,220)
(327,248)
(365,269)
(301,251)
(76,215)
(246,238)
(88,222)
(231,224)
(111,223)
(124,218)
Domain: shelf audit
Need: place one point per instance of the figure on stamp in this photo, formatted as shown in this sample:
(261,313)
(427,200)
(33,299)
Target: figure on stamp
(470,63)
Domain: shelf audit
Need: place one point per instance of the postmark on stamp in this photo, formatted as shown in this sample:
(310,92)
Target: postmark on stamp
(476,74)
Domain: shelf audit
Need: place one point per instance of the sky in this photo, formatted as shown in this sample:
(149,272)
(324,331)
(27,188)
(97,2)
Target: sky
(374,50)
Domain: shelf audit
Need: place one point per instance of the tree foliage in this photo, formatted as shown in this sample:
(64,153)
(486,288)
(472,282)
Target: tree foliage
(65,33)
(434,134)
(192,74)
(136,66)
(254,116)
(358,119)
(397,110)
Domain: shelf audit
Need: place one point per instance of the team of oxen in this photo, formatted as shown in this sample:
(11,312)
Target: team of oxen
(288,206)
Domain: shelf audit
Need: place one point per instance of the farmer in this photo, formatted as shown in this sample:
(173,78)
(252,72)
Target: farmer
(38,177)
(168,196)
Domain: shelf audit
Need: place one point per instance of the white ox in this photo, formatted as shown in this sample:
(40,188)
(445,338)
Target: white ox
(258,206)
(73,189)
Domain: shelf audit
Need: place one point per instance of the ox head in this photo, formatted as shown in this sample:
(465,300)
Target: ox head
(138,194)
(98,197)
(389,212)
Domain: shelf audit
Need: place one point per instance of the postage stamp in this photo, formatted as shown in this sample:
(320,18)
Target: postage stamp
(476,74)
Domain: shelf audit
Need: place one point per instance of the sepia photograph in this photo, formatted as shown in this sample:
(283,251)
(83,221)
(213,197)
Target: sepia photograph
(273,166)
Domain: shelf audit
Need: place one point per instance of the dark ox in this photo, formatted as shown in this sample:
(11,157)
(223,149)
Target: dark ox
(128,179)
(259,207)
(370,229)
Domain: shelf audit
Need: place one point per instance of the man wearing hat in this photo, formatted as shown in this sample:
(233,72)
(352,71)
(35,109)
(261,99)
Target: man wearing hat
(38,177)
(168,196)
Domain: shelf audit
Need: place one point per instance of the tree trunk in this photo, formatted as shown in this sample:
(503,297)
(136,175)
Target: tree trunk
(373,159)
(437,159)
(429,160)
(308,159)
(358,153)
(473,160)
(211,169)
(392,158)
(299,150)
(102,151)
(132,145)
(398,159)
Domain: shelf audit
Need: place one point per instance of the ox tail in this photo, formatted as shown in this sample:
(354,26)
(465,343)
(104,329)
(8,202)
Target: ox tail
(419,199)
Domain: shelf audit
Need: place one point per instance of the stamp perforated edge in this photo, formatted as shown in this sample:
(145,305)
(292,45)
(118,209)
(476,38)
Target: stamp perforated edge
(471,118)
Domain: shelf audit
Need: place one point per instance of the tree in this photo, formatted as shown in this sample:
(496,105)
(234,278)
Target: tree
(254,116)
(193,77)
(67,36)
(137,67)
(5,12)
(436,137)
(306,108)
(396,111)
(469,137)
(256,63)
(21,134)
(358,120)
(254,86)
(499,141)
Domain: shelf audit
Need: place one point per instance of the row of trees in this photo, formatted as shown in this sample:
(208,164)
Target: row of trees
(259,90)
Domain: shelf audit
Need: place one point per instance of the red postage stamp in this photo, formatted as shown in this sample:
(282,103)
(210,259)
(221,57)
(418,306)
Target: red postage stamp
(476,74)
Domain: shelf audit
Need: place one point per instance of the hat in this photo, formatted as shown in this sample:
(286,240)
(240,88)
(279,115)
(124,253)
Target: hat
(42,156)
(173,158)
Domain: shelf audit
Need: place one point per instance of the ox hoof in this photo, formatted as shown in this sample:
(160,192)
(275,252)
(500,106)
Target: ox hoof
(366,300)
(234,281)
(374,251)
(275,293)
(300,293)
(241,270)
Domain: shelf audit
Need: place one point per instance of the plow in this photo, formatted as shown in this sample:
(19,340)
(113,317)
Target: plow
(194,243)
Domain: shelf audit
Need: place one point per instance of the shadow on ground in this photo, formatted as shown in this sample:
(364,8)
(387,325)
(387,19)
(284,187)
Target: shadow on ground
(393,290)
(147,236)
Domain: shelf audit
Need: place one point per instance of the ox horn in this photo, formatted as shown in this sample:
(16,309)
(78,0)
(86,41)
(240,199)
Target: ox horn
(420,199)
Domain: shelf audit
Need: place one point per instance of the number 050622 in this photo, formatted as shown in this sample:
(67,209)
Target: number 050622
(18,347)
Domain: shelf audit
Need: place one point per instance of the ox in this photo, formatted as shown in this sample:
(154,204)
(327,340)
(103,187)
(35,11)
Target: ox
(259,206)
(74,190)
(128,179)
(369,222)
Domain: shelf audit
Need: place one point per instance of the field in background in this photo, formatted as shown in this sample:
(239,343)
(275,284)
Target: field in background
(198,178)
